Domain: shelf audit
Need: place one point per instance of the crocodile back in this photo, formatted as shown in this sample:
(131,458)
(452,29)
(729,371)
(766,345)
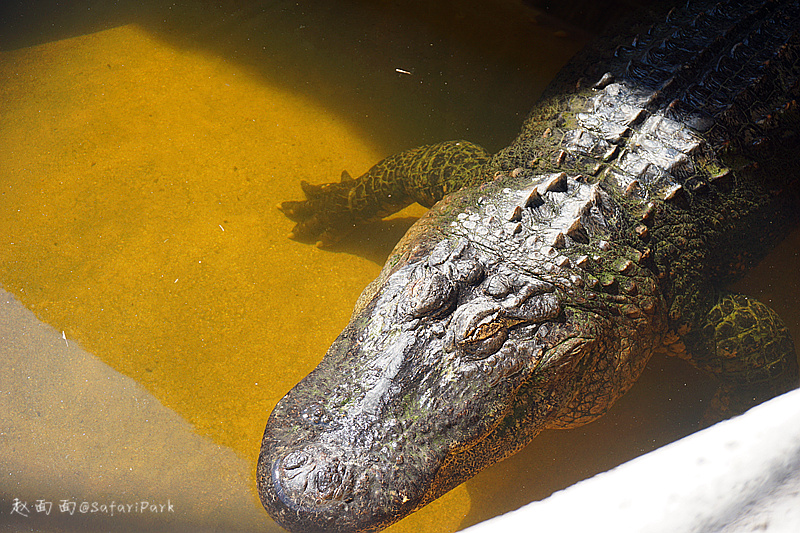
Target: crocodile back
(727,72)
(691,126)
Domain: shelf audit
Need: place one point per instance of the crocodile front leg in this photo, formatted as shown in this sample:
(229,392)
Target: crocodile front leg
(424,175)
(747,346)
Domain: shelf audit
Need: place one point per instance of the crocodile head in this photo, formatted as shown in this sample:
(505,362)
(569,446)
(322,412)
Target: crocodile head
(455,357)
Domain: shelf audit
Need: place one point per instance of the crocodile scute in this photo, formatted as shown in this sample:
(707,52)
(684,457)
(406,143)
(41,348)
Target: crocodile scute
(655,169)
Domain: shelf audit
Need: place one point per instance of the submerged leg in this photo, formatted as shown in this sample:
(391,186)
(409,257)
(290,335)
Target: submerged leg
(424,175)
(746,345)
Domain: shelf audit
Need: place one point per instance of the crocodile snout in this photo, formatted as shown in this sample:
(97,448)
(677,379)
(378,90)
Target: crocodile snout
(308,489)
(311,476)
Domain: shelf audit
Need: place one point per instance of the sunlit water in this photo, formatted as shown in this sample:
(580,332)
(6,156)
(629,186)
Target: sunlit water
(143,152)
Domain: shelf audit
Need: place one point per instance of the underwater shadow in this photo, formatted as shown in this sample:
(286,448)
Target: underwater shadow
(374,241)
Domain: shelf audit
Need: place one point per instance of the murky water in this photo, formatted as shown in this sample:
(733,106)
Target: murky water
(145,147)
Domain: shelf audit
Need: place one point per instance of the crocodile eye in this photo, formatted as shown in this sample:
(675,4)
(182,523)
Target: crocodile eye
(484,340)
(478,329)
(430,295)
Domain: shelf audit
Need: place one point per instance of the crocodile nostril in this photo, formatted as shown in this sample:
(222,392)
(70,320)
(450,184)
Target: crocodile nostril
(293,470)
(295,460)
(333,481)
(312,474)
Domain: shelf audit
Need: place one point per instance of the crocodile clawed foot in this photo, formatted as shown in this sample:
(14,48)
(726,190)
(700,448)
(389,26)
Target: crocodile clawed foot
(296,210)
(325,216)
(304,210)
(313,227)
(331,236)
(313,191)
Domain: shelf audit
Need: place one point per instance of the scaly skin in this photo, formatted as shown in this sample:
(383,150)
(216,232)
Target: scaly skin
(423,175)
(533,296)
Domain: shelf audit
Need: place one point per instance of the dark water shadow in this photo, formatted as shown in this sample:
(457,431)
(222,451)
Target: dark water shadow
(403,73)
(374,241)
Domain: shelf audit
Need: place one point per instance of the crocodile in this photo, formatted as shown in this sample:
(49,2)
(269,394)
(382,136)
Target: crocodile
(657,167)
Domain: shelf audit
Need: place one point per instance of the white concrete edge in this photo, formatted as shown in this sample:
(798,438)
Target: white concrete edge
(739,475)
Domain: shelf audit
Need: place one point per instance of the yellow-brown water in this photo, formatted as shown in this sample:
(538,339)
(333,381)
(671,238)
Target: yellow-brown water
(140,169)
